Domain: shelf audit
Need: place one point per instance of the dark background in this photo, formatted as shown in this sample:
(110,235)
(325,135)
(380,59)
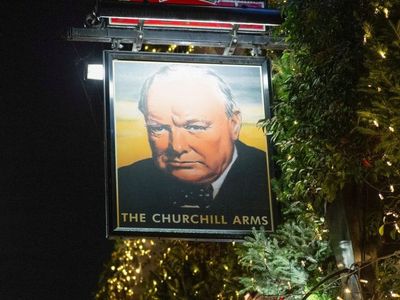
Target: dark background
(52,236)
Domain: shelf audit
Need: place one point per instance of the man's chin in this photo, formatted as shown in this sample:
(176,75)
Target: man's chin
(190,176)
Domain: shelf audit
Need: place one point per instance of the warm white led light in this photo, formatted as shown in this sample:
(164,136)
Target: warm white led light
(95,72)
(394,295)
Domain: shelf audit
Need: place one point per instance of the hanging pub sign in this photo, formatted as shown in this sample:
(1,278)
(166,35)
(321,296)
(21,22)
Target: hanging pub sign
(185,157)
(154,22)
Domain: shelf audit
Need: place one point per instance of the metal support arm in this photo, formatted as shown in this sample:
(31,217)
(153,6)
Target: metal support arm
(157,36)
(98,29)
(230,49)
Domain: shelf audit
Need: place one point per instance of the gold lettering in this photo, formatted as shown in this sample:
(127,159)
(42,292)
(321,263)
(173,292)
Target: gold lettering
(156,220)
(236,220)
(177,220)
(218,219)
(245,220)
(185,219)
(133,217)
(255,220)
(192,219)
(204,219)
(166,218)
(129,217)
(142,218)
(124,216)
(223,221)
(264,220)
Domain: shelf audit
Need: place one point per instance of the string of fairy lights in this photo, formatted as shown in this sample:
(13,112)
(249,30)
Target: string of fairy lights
(170,49)
(356,270)
(389,192)
(128,269)
(132,265)
(142,266)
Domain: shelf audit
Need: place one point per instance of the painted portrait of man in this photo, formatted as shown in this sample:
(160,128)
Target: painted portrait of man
(197,163)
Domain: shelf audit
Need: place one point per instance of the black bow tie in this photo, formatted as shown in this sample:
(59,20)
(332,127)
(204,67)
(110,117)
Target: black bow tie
(194,196)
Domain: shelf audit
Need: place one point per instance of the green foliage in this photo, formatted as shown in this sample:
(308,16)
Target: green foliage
(314,109)
(145,269)
(336,123)
(191,270)
(325,38)
(313,117)
(124,274)
(388,274)
(379,123)
(288,261)
(380,111)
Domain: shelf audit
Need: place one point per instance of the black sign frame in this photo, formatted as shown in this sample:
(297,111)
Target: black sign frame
(221,228)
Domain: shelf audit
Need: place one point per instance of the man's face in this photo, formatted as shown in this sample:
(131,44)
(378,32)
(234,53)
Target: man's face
(190,135)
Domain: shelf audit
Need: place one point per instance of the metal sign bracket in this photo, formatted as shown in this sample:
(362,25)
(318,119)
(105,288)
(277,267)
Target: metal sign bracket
(98,27)
(138,42)
(231,47)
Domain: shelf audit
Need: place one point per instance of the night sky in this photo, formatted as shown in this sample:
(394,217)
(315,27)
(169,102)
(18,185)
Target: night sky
(52,217)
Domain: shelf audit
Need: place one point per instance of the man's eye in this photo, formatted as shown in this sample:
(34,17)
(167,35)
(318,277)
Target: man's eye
(195,127)
(156,128)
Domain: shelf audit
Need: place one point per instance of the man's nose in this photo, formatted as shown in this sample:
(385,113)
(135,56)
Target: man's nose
(178,141)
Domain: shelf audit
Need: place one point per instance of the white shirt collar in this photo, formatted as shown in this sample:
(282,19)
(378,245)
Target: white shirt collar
(218,183)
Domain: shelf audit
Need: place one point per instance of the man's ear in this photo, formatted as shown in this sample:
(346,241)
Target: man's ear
(236,124)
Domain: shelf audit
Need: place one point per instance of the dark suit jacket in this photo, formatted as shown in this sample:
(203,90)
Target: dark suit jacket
(144,188)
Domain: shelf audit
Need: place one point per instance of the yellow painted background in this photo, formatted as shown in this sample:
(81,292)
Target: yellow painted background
(132,144)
